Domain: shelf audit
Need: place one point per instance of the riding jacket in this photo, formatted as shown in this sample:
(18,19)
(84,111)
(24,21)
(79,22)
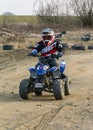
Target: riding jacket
(47,50)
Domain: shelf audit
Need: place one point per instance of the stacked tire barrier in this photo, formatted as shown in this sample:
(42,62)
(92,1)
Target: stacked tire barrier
(86,37)
(8,47)
(65,46)
(90,47)
(79,47)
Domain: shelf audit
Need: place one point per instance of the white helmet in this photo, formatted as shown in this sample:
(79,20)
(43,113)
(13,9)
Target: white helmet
(48,35)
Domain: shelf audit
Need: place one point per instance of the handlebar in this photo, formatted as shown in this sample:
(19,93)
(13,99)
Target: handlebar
(46,58)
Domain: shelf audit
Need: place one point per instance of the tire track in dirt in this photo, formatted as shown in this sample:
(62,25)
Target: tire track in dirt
(21,122)
(43,119)
(48,117)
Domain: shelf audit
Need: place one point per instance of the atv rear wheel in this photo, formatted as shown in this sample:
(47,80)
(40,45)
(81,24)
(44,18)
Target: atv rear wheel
(24,89)
(67,86)
(58,89)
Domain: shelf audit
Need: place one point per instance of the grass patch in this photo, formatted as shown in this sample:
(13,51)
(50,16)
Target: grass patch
(18,19)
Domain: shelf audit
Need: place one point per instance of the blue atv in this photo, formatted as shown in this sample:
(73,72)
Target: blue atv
(43,78)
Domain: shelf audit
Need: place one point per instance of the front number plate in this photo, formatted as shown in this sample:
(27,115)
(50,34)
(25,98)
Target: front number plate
(38,85)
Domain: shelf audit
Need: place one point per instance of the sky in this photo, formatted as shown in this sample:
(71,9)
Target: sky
(17,7)
(21,7)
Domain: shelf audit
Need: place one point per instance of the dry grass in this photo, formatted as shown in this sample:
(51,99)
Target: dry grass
(72,37)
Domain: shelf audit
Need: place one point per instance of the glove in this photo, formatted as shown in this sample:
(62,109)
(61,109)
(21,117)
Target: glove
(59,54)
(33,53)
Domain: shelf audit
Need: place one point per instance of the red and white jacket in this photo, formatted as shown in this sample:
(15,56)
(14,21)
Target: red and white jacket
(47,50)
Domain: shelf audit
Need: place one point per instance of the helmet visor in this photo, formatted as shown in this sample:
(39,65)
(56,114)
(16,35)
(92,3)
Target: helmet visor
(47,37)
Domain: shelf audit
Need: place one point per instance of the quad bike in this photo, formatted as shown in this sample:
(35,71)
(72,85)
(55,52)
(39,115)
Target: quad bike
(43,78)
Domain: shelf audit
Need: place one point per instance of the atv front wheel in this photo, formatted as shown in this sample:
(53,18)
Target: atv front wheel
(58,89)
(24,89)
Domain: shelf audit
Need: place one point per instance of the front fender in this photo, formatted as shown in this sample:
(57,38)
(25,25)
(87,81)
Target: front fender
(41,69)
(33,72)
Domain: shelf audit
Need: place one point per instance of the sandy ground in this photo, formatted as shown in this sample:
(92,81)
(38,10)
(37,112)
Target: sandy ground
(75,112)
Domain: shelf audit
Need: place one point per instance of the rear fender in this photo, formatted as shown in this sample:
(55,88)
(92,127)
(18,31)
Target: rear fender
(53,69)
(55,72)
(62,66)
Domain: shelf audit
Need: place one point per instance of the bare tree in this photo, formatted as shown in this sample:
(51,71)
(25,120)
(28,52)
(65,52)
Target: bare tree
(83,9)
(49,12)
(51,7)
(54,13)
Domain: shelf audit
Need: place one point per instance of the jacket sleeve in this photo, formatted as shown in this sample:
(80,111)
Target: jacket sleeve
(59,47)
(38,47)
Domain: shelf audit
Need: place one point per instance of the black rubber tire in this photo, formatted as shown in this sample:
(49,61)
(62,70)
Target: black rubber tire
(78,47)
(67,86)
(24,89)
(65,45)
(58,89)
(30,47)
(8,47)
(90,47)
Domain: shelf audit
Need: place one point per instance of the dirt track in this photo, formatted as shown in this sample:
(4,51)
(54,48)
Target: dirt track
(75,112)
